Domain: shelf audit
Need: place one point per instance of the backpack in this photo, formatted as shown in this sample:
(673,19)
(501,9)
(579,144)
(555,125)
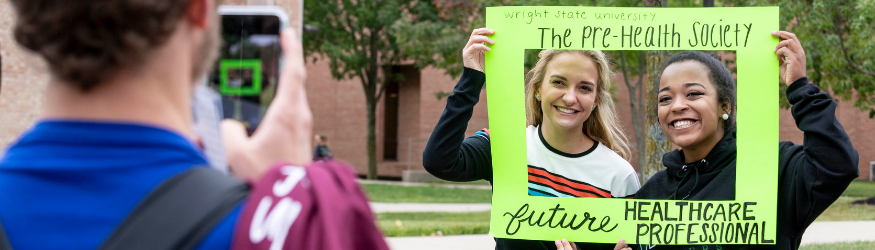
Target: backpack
(177,214)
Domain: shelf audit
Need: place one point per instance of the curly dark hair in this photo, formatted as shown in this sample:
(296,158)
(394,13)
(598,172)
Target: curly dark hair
(84,41)
(720,76)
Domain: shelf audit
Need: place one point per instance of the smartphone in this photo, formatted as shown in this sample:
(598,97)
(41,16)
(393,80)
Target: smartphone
(247,71)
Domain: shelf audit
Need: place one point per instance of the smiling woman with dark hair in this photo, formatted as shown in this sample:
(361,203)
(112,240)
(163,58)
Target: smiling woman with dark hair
(696,111)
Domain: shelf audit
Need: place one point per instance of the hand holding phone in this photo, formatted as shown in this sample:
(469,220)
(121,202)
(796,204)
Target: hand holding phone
(248,69)
(285,133)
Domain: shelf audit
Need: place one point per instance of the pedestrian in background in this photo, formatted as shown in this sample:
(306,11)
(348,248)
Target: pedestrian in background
(321,150)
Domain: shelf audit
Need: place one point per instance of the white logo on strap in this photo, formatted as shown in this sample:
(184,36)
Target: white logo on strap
(275,225)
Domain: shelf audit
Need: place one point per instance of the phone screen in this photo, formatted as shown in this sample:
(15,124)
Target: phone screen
(247,71)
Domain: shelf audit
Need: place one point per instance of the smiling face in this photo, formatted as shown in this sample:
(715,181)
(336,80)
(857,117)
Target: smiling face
(568,91)
(689,113)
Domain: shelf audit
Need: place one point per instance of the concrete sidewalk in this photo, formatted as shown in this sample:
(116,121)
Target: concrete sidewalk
(382,207)
(817,233)
(839,231)
(420,184)
(456,242)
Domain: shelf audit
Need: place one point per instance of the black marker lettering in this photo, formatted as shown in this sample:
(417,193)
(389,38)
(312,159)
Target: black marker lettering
(697,210)
(726,30)
(711,36)
(634,203)
(583,40)
(709,205)
(720,211)
(646,230)
(744,214)
(605,34)
(691,43)
(651,33)
(641,210)
(542,36)
(765,241)
(519,214)
(634,38)
(654,230)
(754,236)
(673,34)
(681,204)
(733,210)
(749,27)
(669,231)
(739,233)
(690,233)
(657,210)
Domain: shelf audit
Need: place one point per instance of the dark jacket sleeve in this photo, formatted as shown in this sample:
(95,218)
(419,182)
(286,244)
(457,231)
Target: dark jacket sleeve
(813,175)
(448,154)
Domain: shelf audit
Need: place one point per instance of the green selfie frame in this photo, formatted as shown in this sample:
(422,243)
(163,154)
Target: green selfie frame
(227,64)
(753,214)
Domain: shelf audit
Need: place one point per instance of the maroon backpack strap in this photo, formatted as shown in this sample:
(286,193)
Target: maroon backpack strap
(320,206)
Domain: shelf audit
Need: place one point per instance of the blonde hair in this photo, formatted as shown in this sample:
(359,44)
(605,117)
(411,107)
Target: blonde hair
(603,124)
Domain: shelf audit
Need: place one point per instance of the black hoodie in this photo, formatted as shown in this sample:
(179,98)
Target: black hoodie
(810,176)
(450,156)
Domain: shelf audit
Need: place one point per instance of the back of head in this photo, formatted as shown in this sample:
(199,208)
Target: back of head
(84,41)
(603,125)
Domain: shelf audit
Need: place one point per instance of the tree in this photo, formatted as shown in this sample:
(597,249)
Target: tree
(360,38)
(837,37)
(634,64)
(657,143)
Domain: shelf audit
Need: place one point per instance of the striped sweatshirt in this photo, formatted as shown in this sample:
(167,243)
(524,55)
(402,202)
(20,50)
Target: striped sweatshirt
(451,156)
(598,172)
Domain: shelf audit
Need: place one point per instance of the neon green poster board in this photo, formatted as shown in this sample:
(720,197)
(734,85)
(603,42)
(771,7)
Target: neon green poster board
(750,219)
(250,69)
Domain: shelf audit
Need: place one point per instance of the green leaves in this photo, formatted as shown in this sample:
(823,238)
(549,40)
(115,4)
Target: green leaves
(838,39)
(362,36)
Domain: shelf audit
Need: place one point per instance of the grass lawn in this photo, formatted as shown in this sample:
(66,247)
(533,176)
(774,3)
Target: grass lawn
(840,246)
(843,210)
(861,189)
(439,181)
(419,224)
(430,194)
(425,224)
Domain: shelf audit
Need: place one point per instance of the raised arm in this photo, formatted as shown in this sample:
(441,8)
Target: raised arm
(812,175)
(448,155)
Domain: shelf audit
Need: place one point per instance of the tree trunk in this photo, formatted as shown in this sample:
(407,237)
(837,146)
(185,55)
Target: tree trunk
(370,88)
(372,138)
(635,103)
(657,144)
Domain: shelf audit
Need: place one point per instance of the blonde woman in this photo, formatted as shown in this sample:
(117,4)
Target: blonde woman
(575,147)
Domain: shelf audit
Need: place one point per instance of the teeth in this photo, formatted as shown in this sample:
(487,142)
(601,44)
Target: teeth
(567,111)
(682,123)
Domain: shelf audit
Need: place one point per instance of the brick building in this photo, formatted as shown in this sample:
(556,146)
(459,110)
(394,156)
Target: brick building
(405,117)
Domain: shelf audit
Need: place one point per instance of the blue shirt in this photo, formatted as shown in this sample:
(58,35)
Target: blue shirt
(69,184)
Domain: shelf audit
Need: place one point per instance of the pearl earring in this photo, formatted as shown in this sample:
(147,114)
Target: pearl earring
(725,117)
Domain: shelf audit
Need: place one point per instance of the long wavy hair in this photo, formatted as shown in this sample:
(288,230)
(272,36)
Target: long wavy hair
(603,124)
